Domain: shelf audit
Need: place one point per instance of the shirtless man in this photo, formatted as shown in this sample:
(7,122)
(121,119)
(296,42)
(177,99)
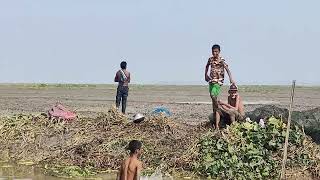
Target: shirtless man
(234,109)
(130,168)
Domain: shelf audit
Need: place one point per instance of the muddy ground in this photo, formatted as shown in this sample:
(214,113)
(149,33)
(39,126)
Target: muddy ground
(187,103)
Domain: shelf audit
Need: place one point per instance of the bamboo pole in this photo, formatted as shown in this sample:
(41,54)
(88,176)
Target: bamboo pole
(285,153)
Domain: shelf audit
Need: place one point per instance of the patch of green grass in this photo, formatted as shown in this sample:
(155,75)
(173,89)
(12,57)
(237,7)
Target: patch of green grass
(69,171)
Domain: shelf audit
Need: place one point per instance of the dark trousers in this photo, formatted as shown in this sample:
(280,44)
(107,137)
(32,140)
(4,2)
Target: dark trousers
(122,95)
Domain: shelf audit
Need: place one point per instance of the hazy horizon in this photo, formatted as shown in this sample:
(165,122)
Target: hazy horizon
(156,84)
(164,42)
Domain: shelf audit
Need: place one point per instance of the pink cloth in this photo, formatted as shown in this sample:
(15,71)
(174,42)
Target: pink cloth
(59,111)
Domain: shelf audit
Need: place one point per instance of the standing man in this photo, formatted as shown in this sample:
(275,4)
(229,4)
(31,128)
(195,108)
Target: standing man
(217,66)
(123,79)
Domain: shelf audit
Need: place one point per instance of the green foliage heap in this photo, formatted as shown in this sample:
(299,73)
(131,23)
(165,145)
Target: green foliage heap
(248,151)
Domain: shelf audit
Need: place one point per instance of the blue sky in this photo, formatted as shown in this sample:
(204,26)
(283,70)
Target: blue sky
(81,41)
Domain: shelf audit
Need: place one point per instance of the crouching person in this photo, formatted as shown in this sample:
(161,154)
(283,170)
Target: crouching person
(234,109)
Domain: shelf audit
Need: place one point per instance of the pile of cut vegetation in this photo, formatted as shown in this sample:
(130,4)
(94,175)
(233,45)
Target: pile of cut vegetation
(95,144)
(87,146)
(248,151)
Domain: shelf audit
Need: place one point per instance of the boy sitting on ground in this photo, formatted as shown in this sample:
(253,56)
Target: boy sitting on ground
(130,168)
(234,110)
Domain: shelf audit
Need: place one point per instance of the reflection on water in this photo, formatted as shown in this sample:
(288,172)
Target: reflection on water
(22,172)
(9,171)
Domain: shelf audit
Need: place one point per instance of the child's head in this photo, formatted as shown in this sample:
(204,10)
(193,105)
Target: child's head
(215,50)
(123,65)
(233,89)
(135,147)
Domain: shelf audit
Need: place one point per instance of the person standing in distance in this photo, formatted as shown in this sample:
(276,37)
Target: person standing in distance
(123,79)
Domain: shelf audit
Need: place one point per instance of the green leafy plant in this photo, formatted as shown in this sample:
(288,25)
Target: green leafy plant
(247,151)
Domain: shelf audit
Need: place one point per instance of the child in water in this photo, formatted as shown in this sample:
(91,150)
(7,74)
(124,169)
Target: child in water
(131,167)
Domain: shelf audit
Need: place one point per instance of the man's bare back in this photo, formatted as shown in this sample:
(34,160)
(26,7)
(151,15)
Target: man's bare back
(130,169)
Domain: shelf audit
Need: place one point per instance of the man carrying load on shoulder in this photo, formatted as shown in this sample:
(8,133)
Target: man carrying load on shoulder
(123,79)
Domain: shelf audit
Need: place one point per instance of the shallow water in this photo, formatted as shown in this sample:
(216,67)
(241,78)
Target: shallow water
(23,172)
(9,171)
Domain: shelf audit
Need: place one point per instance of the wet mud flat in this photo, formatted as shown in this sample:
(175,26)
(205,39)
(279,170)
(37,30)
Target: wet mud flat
(187,103)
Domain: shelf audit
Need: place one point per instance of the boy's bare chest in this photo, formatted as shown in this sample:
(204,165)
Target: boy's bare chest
(232,101)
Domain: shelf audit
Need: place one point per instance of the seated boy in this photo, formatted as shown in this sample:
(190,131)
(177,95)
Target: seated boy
(234,109)
(130,168)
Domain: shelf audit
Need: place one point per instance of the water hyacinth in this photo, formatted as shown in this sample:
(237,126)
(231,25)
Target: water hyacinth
(249,151)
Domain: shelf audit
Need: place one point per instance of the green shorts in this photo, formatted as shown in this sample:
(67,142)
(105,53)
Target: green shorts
(214,89)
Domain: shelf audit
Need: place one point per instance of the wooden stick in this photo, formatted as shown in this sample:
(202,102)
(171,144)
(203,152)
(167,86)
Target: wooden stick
(285,153)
